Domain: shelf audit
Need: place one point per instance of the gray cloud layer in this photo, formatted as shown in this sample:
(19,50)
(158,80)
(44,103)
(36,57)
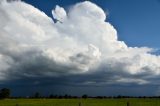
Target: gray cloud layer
(80,47)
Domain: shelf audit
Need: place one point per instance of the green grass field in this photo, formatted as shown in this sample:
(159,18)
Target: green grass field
(75,102)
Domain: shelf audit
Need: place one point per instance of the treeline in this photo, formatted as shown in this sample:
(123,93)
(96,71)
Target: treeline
(6,93)
(85,96)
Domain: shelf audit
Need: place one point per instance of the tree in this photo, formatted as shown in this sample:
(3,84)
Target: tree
(51,96)
(37,95)
(4,93)
(84,96)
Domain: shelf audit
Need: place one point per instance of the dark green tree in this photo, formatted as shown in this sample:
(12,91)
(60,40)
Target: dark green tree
(84,96)
(37,95)
(4,93)
(51,96)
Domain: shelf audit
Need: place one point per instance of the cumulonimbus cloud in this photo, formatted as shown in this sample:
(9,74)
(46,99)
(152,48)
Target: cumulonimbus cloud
(81,42)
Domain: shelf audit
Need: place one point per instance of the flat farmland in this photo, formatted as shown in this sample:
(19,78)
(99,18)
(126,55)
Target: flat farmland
(80,102)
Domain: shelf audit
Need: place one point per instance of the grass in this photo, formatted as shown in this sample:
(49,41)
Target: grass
(75,102)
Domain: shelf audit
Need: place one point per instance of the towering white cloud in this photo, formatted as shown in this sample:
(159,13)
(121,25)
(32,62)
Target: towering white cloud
(59,13)
(80,42)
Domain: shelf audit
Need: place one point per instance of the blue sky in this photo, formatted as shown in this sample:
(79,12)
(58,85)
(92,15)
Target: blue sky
(79,53)
(137,21)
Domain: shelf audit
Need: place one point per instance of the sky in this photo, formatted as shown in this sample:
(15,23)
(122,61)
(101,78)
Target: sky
(97,47)
(137,22)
